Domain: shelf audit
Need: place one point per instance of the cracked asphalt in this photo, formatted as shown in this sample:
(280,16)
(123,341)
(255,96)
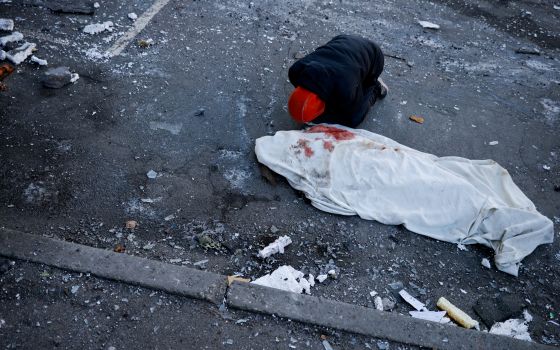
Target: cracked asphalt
(74,161)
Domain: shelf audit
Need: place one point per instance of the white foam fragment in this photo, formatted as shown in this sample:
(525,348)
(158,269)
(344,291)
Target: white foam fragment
(378,302)
(275,247)
(15,36)
(415,303)
(96,5)
(434,316)
(6,24)
(74,77)
(38,60)
(322,278)
(428,25)
(311,280)
(285,278)
(151,174)
(493,143)
(96,28)
(514,328)
(486,263)
(133,16)
(20,54)
(546,167)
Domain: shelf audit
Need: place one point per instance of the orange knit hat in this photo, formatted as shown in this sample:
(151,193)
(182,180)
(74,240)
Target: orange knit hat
(304,106)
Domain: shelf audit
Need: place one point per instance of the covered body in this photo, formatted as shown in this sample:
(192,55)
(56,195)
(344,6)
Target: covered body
(453,199)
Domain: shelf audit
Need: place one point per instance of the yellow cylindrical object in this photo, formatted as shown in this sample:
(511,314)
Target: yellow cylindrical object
(456,314)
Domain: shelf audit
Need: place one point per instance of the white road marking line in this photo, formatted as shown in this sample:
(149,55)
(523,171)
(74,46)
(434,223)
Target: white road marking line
(137,27)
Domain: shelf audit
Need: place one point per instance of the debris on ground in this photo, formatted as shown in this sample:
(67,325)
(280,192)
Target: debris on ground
(546,167)
(275,247)
(151,174)
(201,263)
(428,25)
(145,43)
(96,28)
(327,345)
(378,302)
(131,224)
(38,60)
(2,55)
(415,303)
(15,36)
(528,51)
(133,16)
(388,304)
(56,78)
(434,316)
(285,278)
(322,278)
(457,314)
(499,308)
(5,70)
(486,263)
(514,328)
(231,279)
(6,24)
(417,119)
(493,143)
(119,248)
(20,54)
(207,242)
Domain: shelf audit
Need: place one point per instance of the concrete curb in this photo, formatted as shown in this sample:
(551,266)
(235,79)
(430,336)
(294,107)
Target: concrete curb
(369,322)
(211,287)
(115,266)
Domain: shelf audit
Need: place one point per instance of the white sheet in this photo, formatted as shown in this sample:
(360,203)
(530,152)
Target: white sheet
(356,172)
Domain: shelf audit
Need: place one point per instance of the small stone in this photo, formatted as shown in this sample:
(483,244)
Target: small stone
(74,289)
(486,263)
(6,24)
(132,16)
(131,224)
(55,78)
(396,285)
(388,304)
(274,229)
(151,174)
(299,55)
(382,345)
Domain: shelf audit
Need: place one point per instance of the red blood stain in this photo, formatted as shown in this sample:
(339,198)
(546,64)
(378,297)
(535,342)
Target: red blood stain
(328,145)
(302,143)
(336,133)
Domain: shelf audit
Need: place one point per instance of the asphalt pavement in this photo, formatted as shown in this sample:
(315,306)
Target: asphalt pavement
(189,104)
